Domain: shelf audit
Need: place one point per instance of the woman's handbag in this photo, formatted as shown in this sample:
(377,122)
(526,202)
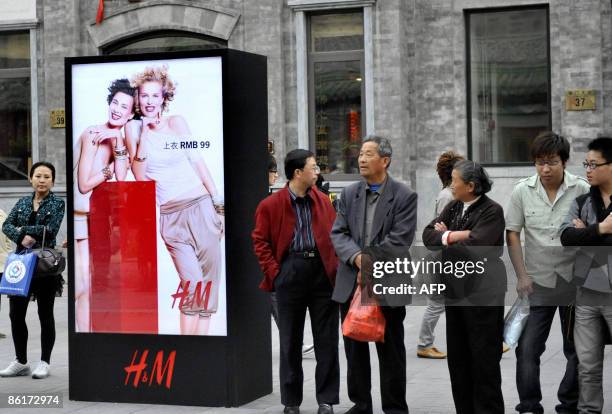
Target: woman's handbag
(18,272)
(365,323)
(515,321)
(51,262)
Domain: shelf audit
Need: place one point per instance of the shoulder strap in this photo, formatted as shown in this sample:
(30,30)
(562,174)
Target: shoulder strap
(581,200)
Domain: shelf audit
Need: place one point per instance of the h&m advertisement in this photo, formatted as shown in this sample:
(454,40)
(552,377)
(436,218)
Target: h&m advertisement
(149,197)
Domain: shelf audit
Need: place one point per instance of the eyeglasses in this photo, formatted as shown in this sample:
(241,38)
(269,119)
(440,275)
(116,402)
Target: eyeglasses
(593,165)
(316,169)
(550,163)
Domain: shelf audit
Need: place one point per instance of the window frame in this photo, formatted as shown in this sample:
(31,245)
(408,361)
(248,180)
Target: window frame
(468,76)
(11,186)
(334,56)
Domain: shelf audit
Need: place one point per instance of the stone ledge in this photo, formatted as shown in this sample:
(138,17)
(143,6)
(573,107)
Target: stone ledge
(310,5)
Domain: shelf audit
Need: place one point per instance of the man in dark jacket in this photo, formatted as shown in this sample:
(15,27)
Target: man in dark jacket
(589,223)
(380,212)
(295,252)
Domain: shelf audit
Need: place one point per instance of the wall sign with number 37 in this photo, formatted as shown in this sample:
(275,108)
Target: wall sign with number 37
(580,100)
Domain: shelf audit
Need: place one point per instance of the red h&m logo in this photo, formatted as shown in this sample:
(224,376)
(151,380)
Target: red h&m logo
(158,372)
(199,299)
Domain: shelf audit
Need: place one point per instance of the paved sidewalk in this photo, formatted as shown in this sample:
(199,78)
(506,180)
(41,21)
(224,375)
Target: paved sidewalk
(428,390)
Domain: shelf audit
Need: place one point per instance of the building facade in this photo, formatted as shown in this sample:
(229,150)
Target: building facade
(482,77)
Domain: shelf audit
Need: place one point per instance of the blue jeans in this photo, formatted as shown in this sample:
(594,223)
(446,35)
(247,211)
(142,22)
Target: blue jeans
(530,348)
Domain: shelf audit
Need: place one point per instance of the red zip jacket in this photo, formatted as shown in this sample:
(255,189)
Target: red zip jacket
(273,233)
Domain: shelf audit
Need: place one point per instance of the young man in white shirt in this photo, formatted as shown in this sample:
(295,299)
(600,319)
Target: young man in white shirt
(538,206)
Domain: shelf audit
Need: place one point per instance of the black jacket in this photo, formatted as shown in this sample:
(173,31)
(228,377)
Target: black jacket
(485,220)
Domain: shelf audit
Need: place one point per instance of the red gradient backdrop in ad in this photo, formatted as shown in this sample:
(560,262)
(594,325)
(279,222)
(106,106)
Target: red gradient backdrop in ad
(124,245)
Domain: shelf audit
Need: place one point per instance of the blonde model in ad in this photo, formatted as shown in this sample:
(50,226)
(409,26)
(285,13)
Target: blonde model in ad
(191,209)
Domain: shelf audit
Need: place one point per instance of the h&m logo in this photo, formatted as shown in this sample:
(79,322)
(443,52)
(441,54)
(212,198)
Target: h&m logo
(162,369)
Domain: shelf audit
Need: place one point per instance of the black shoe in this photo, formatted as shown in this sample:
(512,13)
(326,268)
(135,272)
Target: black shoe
(356,409)
(291,410)
(325,409)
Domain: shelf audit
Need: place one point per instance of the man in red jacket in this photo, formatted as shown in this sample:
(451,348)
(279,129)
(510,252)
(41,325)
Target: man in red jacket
(292,242)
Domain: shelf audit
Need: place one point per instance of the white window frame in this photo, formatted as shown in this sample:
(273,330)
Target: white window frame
(301,8)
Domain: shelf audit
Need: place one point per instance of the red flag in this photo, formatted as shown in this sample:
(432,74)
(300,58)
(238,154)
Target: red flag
(100,14)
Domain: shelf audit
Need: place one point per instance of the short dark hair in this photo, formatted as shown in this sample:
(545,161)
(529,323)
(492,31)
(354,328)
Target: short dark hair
(296,160)
(120,85)
(384,146)
(445,165)
(549,143)
(603,145)
(472,172)
(272,166)
(43,164)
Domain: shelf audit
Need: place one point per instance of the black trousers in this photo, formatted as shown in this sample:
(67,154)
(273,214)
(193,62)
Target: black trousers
(303,285)
(392,364)
(474,340)
(18,306)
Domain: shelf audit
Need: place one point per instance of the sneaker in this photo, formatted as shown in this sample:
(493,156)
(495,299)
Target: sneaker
(307,349)
(15,369)
(431,353)
(41,371)
(325,409)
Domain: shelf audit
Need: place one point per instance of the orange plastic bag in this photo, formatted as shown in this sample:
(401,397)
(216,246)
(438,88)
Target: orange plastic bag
(364,323)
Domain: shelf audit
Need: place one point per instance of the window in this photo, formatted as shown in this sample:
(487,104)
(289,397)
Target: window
(15,106)
(508,74)
(164,41)
(336,67)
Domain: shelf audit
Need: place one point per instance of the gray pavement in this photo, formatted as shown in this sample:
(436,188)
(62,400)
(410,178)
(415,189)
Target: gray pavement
(428,390)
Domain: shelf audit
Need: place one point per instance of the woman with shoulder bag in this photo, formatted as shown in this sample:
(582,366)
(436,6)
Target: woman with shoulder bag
(34,218)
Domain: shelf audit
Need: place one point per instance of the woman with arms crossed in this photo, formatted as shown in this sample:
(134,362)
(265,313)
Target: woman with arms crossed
(471,229)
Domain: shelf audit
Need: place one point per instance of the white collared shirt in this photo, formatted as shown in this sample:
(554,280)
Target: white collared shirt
(531,210)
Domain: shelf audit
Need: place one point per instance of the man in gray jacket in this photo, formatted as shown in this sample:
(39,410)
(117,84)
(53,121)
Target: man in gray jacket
(589,225)
(379,212)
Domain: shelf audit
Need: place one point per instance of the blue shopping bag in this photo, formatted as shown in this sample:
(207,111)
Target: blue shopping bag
(18,272)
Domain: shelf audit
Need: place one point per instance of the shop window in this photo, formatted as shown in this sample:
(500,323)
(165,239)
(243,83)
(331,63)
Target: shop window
(336,89)
(508,77)
(15,107)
